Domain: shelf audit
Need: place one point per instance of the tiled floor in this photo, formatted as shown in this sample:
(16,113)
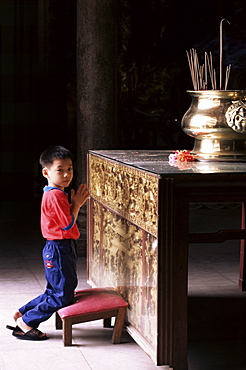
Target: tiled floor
(217,319)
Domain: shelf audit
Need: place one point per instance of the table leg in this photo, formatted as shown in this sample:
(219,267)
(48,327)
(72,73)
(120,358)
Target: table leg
(173,273)
(242,272)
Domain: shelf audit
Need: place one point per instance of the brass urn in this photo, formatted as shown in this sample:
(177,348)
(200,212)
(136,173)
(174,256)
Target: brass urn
(217,121)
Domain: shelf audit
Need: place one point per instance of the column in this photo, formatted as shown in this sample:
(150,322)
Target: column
(96,84)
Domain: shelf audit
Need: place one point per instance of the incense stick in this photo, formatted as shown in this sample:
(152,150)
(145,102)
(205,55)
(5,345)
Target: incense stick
(228,69)
(205,72)
(221,48)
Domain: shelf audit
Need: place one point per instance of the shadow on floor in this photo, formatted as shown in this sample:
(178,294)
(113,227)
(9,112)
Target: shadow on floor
(217,333)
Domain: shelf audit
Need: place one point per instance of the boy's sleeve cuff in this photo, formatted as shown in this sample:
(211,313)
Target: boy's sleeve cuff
(70,225)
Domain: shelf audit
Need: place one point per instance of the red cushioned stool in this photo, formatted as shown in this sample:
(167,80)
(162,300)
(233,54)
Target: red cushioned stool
(89,305)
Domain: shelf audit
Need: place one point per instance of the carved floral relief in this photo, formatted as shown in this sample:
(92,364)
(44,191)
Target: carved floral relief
(131,193)
(124,256)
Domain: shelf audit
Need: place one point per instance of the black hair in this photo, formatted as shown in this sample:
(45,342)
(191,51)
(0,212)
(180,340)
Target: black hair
(52,153)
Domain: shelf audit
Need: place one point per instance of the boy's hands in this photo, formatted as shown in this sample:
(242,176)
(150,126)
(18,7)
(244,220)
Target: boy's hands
(78,199)
(81,196)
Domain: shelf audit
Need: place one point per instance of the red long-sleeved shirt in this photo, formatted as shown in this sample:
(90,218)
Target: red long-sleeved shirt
(57,222)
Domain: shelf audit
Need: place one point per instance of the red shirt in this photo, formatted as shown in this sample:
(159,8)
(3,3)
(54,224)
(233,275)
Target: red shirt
(57,222)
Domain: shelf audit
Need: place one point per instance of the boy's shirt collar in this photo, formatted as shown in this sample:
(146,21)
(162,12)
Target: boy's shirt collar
(48,188)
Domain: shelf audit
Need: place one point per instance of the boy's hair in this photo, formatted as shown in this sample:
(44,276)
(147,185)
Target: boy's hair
(52,153)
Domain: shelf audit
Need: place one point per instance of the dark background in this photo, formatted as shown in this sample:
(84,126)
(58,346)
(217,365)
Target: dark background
(38,78)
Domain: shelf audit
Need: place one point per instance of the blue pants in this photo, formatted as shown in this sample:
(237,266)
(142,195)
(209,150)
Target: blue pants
(60,259)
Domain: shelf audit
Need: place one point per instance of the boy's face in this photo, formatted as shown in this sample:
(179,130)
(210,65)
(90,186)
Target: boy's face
(60,173)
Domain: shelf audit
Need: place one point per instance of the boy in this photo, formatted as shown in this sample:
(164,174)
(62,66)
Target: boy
(59,254)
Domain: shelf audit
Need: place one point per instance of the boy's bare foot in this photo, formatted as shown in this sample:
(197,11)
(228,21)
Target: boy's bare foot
(16,315)
(24,327)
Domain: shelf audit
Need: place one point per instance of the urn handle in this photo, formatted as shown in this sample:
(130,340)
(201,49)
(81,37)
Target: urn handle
(236,116)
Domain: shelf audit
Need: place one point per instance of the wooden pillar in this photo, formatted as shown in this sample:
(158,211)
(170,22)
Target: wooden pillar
(96,84)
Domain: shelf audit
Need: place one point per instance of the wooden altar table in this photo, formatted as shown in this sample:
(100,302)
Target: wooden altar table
(138,237)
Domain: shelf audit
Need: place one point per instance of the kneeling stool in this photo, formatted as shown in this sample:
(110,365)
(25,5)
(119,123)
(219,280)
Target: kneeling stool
(92,304)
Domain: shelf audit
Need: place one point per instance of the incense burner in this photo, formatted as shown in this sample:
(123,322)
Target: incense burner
(217,121)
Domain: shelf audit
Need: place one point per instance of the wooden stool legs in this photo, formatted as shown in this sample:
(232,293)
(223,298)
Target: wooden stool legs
(66,324)
(118,326)
(58,322)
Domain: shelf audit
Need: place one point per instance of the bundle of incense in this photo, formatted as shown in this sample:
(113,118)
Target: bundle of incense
(199,73)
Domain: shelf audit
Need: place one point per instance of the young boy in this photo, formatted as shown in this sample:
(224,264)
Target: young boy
(59,254)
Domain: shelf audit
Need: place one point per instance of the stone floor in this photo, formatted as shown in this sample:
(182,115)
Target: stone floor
(217,308)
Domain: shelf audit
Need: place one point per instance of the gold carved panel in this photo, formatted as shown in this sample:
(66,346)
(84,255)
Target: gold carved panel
(124,256)
(131,193)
